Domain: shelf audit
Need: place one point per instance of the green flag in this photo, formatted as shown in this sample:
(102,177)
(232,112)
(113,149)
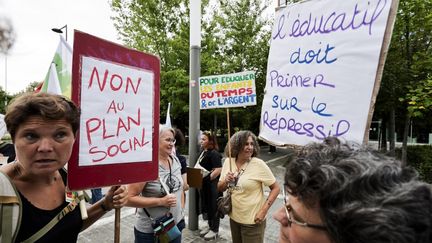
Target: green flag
(63,65)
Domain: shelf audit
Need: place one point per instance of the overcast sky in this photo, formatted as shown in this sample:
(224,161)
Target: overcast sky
(35,45)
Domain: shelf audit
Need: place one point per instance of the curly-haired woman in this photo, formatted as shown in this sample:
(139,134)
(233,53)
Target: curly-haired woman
(249,174)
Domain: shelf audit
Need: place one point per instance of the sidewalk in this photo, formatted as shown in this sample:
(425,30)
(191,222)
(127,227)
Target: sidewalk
(103,230)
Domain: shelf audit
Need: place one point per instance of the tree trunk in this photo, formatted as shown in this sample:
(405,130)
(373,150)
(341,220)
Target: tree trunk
(392,131)
(383,135)
(215,123)
(405,139)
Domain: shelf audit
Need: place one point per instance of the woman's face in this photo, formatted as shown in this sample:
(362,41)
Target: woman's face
(166,143)
(248,149)
(43,146)
(204,141)
(295,233)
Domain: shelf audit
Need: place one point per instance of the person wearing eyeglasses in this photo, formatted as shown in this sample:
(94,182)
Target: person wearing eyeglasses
(342,193)
(247,176)
(152,196)
(210,161)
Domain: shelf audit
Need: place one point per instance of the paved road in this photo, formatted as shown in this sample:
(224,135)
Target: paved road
(103,230)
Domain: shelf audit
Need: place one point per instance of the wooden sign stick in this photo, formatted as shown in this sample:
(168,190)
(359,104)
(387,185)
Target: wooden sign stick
(117,226)
(229,136)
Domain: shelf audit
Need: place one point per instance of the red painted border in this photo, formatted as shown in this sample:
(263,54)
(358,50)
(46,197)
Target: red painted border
(84,177)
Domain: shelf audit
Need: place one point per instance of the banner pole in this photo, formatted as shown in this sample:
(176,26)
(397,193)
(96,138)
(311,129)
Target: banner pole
(229,136)
(117,226)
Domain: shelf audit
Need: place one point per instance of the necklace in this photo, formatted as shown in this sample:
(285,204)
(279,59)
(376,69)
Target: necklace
(242,164)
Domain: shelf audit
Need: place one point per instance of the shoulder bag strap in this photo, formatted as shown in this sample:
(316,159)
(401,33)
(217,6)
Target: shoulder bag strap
(69,208)
(148,214)
(10,216)
(201,156)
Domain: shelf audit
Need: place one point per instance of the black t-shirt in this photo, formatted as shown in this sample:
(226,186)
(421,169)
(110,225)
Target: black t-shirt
(34,219)
(211,159)
(182,160)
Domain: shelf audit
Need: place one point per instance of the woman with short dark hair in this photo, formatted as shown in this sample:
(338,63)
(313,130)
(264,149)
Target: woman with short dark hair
(43,128)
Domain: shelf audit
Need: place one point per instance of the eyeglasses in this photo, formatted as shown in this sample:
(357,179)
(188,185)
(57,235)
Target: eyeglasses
(170,140)
(292,220)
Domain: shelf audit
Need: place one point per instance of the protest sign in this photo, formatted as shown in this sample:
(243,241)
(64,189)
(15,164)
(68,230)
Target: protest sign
(227,90)
(322,68)
(117,90)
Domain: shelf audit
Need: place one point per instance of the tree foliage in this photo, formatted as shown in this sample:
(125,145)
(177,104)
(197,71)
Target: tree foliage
(235,42)
(413,38)
(419,97)
(406,78)
(235,37)
(160,28)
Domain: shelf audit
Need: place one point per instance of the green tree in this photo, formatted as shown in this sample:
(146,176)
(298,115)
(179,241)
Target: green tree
(4,99)
(160,28)
(408,66)
(235,38)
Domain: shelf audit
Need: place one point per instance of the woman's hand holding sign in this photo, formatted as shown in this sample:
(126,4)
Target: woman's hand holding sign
(116,197)
(169,200)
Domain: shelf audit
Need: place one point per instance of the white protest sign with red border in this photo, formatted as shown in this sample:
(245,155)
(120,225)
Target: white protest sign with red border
(117,90)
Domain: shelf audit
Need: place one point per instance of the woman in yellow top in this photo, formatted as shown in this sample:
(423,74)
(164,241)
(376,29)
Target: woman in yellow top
(249,174)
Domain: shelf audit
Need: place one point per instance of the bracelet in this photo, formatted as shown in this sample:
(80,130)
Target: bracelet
(104,208)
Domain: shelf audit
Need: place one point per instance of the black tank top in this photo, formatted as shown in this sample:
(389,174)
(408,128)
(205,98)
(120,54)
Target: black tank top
(34,219)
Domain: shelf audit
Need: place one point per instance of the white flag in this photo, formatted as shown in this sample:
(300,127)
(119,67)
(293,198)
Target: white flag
(63,67)
(168,118)
(53,81)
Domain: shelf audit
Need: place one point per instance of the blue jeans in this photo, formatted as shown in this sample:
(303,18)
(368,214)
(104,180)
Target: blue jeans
(96,195)
(141,237)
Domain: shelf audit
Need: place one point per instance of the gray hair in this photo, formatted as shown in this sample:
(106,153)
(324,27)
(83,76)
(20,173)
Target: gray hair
(238,141)
(163,128)
(363,195)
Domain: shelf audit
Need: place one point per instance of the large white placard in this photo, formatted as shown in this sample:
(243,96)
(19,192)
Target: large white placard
(117,127)
(321,70)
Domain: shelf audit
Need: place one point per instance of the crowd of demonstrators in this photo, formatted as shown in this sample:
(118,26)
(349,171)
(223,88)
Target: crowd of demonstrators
(151,199)
(333,192)
(340,193)
(249,175)
(43,128)
(180,141)
(210,160)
